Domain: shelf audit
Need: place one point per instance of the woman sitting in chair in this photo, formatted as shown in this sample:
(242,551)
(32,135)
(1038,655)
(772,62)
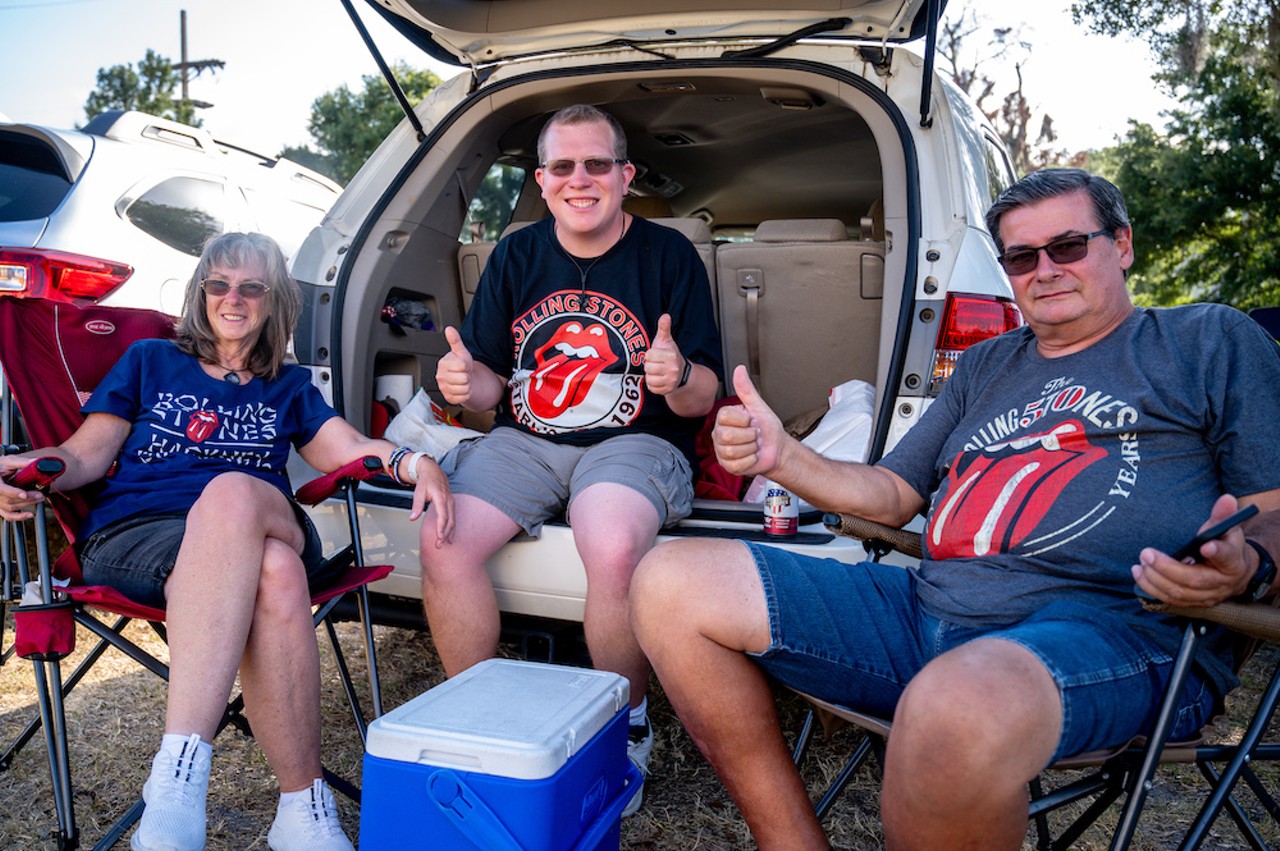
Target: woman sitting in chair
(198,519)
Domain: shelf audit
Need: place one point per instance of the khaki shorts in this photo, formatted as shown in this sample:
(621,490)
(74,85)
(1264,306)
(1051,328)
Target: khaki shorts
(531,479)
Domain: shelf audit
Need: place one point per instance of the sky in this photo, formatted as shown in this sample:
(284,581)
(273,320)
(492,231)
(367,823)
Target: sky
(282,54)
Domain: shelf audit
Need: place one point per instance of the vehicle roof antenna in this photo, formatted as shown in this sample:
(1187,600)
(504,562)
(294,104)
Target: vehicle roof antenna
(396,90)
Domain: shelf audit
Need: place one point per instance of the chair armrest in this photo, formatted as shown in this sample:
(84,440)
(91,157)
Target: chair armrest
(318,490)
(40,473)
(875,534)
(1260,620)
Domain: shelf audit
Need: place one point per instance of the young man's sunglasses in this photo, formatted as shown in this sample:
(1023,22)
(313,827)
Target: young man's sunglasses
(248,290)
(595,166)
(1068,249)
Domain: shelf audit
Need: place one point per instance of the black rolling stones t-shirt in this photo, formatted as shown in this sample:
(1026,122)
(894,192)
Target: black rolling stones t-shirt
(572,333)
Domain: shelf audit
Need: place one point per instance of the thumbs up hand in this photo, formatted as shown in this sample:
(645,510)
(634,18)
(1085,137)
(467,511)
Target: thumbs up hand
(454,370)
(749,437)
(663,363)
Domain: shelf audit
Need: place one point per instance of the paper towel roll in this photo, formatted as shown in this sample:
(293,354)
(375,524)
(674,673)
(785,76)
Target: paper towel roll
(399,388)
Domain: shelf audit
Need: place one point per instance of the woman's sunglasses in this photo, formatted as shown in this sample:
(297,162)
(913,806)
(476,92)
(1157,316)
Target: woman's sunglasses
(1066,250)
(595,166)
(249,290)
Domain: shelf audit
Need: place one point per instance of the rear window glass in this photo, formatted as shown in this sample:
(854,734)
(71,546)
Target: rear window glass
(32,183)
(490,211)
(182,212)
(288,222)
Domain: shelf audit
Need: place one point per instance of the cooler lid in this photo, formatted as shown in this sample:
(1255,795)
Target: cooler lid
(502,717)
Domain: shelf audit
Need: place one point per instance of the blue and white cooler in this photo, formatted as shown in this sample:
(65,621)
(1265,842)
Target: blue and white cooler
(506,756)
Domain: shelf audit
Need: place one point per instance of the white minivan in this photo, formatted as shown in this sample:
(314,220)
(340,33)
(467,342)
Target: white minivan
(833,183)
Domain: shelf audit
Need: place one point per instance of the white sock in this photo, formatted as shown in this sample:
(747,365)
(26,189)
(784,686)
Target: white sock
(174,743)
(640,713)
(304,794)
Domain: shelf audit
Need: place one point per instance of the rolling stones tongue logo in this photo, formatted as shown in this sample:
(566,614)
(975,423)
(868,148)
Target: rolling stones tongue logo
(994,503)
(201,425)
(567,367)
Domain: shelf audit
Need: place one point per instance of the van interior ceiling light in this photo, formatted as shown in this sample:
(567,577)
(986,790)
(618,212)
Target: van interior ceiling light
(968,319)
(59,275)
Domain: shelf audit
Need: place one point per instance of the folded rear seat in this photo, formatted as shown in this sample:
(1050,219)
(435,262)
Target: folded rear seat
(800,306)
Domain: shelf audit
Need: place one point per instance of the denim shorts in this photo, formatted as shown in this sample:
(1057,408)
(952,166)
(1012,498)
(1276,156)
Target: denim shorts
(531,479)
(855,635)
(135,555)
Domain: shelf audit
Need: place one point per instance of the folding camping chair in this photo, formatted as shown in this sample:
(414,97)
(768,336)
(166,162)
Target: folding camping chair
(1105,777)
(53,356)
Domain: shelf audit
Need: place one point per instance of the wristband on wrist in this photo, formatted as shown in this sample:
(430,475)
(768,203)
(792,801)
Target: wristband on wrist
(1263,578)
(684,375)
(413,464)
(393,463)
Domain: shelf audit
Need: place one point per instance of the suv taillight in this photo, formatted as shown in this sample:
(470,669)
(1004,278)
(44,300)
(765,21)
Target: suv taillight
(58,275)
(968,319)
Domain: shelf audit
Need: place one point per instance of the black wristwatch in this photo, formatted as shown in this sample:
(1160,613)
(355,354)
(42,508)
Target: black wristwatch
(684,375)
(1263,578)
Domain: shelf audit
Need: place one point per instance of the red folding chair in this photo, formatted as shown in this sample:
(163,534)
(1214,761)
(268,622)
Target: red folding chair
(53,355)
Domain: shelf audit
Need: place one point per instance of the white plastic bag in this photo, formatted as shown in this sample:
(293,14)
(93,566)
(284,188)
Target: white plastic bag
(425,426)
(842,434)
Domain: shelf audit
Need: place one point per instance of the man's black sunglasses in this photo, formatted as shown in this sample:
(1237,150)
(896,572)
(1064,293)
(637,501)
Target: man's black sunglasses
(1068,249)
(595,166)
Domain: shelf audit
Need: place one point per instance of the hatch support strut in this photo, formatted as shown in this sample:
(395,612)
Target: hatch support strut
(934,12)
(396,90)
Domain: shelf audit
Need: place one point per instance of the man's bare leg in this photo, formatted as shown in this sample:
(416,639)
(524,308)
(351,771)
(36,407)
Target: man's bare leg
(971,730)
(696,606)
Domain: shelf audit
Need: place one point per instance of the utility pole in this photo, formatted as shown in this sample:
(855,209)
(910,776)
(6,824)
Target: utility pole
(190,69)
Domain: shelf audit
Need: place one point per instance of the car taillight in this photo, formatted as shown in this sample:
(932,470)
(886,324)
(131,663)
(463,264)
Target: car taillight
(968,319)
(58,275)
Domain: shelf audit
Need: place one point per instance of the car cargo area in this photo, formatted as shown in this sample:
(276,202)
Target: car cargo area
(790,182)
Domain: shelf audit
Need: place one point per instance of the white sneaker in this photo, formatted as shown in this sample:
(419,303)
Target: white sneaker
(174,818)
(309,822)
(639,744)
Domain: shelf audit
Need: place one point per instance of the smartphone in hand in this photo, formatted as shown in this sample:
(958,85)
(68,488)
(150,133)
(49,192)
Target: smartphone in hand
(1217,530)
(1191,549)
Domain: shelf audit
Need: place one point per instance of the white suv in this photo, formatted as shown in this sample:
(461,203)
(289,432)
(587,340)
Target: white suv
(117,213)
(833,183)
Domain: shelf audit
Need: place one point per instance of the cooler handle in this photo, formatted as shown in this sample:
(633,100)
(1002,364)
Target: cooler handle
(613,810)
(468,813)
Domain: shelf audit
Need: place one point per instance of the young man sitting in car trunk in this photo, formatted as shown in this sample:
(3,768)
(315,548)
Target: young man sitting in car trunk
(1061,464)
(593,334)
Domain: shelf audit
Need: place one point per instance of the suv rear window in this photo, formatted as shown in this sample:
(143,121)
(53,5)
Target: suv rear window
(182,212)
(32,183)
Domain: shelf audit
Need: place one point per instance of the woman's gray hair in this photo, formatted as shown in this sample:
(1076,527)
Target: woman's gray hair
(582,113)
(1108,202)
(282,304)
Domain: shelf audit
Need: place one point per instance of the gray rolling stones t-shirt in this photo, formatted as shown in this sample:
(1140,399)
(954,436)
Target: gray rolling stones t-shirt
(1047,476)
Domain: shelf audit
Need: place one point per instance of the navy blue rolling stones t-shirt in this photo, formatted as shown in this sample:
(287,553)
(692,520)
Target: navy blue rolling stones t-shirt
(189,427)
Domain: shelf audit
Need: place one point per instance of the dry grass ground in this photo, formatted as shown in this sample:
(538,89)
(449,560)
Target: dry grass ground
(115,719)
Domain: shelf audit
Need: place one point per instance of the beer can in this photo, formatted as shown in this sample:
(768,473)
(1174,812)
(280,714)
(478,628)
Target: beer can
(781,511)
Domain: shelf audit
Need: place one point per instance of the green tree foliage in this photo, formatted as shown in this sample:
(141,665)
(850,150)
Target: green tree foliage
(151,88)
(1205,194)
(347,126)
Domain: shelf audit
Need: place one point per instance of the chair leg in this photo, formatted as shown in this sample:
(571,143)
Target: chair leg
(54,722)
(34,726)
(370,651)
(1141,784)
(1234,769)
